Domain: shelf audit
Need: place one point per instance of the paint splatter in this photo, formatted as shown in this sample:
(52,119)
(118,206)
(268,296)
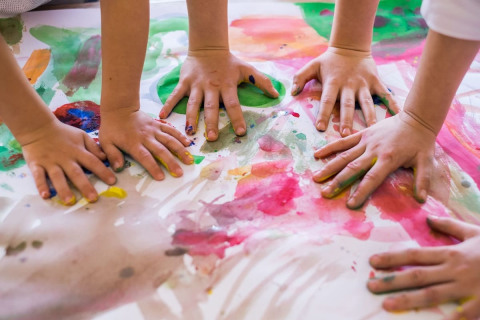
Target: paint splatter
(15,250)
(12,30)
(84,115)
(198,159)
(36,64)
(114,192)
(126,273)
(11,156)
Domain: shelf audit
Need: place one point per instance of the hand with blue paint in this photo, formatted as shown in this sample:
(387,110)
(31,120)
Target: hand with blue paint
(408,138)
(347,70)
(435,275)
(51,149)
(210,74)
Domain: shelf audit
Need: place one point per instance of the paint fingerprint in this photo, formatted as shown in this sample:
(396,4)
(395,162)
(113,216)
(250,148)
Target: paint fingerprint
(84,115)
(248,94)
(86,66)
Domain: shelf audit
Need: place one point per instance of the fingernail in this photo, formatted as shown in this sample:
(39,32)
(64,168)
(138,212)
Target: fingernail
(321,126)
(189,129)
(44,195)
(423,195)
(241,131)
(346,132)
(177,173)
(118,167)
(112,180)
(389,304)
(294,90)
(190,157)
(352,203)
(327,191)
(322,178)
(375,259)
(211,135)
(163,114)
(92,197)
(69,201)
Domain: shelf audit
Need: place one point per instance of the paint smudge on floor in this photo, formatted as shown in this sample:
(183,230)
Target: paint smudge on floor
(11,156)
(114,192)
(84,115)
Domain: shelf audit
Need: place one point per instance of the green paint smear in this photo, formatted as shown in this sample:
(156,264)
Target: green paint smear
(399,19)
(248,94)
(6,186)
(10,151)
(198,159)
(301,136)
(11,30)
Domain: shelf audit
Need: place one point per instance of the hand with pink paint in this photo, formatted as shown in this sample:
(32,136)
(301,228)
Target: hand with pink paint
(347,75)
(210,74)
(50,148)
(435,275)
(347,70)
(407,139)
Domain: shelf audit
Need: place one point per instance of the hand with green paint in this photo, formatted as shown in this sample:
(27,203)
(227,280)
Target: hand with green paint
(347,70)
(210,74)
(434,275)
(349,76)
(407,139)
(211,78)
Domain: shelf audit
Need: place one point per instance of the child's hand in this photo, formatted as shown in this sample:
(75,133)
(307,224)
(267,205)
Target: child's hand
(145,139)
(348,76)
(60,151)
(438,275)
(211,77)
(376,152)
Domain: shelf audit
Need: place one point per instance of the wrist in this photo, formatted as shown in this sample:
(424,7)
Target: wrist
(349,52)
(412,119)
(208,51)
(35,133)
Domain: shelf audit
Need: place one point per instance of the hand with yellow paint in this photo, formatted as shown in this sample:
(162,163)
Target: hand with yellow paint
(147,140)
(347,70)
(210,74)
(435,275)
(376,152)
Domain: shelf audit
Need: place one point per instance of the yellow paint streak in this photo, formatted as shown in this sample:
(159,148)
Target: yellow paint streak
(374,160)
(114,192)
(325,177)
(173,174)
(240,171)
(70,202)
(36,64)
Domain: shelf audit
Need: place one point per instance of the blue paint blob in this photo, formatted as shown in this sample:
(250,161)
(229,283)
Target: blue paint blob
(251,79)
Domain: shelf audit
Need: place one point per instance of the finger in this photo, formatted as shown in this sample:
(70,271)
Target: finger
(177,94)
(94,148)
(458,229)
(304,75)
(143,156)
(60,184)
(211,114)
(337,164)
(408,257)
(261,81)
(193,109)
(338,145)
(470,310)
(353,171)
(387,98)
(38,174)
(93,164)
(175,147)
(234,111)
(421,298)
(422,175)
(368,108)
(170,130)
(165,157)
(370,182)
(409,279)
(347,110)
(115,157)
(327,102)
(76,175)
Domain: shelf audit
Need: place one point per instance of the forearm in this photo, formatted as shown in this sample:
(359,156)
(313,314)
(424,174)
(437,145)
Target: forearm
(125,26)
(353,24)
(443,65)
(208,25)
(21,108)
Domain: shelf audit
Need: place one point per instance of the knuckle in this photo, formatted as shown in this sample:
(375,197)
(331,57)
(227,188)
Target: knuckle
(431,295)
(328,99)
(417,276)
(354,165)
(345,156)
(412,254)
(143,155)
(369,177)
(210,106)
(387,156)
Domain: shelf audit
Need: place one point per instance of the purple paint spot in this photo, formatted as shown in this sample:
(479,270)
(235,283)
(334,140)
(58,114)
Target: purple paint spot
(86,66)
(326,12)
(269,144)
(398,11)
(380,21)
